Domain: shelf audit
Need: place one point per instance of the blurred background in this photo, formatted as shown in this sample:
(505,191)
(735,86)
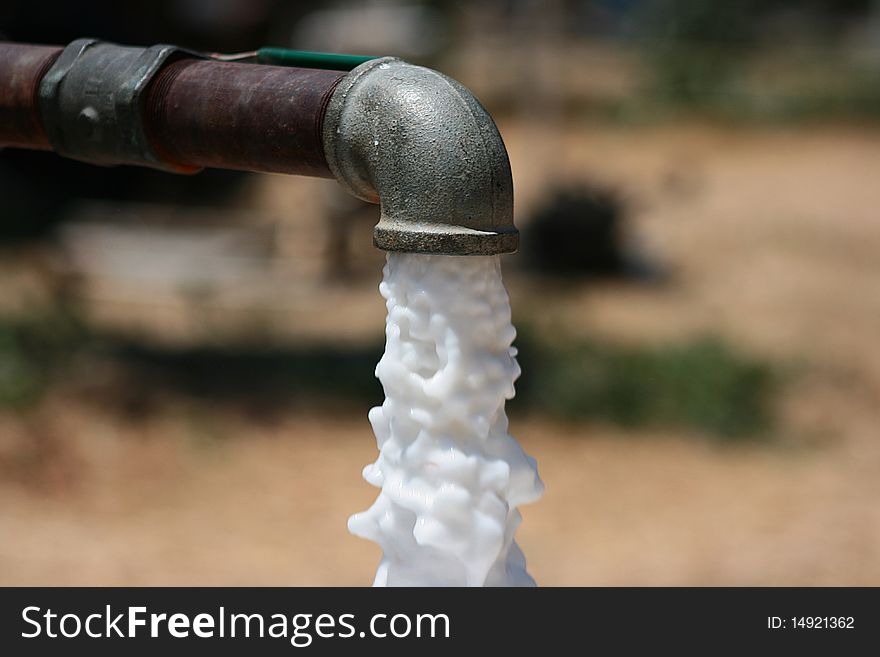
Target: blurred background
(186,363)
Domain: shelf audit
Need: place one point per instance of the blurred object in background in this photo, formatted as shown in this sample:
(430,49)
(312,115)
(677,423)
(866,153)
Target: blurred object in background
(378,27)
(128,259)
(41,189)
(759,59)
(691,47)
(345,213)
(224,21)
(583,231)
(214,25)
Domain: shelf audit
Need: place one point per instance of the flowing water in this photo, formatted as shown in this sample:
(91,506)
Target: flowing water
(450,475)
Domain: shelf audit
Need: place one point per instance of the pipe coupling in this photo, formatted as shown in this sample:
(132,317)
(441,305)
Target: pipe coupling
(92,102)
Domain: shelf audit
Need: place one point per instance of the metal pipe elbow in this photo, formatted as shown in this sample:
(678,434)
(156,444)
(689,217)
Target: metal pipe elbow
(419,144)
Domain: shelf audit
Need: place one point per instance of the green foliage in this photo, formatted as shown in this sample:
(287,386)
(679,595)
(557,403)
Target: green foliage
(712,58)
(692,48)
(31,348)
(701,384)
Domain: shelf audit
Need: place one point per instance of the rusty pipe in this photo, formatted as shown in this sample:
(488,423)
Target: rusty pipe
(203,113)
(163,107)
(22,69)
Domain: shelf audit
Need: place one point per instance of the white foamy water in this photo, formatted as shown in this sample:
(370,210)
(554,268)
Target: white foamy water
(450,475)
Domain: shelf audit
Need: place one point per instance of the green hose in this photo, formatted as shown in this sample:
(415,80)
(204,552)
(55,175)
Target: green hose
(307,59)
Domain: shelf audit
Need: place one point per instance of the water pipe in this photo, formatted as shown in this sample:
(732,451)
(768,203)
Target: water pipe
(404,136)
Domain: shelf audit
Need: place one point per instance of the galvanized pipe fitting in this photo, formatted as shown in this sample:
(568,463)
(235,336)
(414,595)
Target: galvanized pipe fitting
(420,144)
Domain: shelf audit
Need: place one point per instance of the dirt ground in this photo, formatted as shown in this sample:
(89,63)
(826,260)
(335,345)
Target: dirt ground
(773,235)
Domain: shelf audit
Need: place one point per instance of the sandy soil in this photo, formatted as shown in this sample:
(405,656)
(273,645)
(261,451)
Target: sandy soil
(170,502)
(774,239)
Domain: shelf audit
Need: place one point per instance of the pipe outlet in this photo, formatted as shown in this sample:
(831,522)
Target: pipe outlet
(419,144)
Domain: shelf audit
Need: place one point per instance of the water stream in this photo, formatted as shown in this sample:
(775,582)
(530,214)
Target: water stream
(450,474)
